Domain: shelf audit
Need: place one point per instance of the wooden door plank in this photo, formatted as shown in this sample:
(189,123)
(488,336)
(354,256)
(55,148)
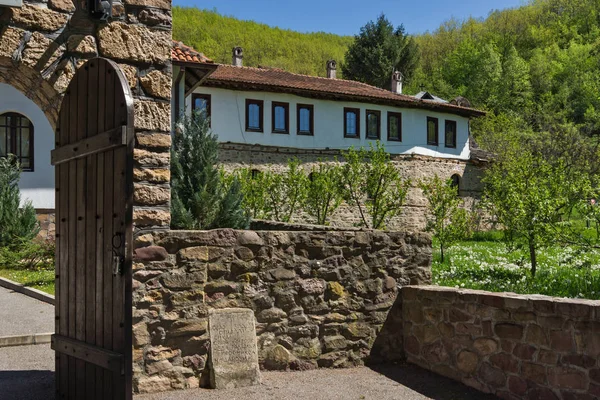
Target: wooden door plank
(90,248)
(109,177)
(83,98)
(88,353)
(100,252)
(72,167)
(96,143)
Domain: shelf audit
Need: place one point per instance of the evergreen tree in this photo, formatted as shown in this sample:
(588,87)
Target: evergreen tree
(17,224)
(201,197)
(378,51)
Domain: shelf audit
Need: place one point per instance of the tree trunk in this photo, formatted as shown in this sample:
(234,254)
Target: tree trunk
(442,252)
(533,257)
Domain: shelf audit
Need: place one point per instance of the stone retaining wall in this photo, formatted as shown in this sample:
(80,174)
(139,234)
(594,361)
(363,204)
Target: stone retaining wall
(321,299)
(263,158)
(516,347)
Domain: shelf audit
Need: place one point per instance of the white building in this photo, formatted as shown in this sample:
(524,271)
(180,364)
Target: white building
(272,107)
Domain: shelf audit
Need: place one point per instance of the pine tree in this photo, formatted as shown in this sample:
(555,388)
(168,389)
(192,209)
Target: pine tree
(18,223)
(201,197)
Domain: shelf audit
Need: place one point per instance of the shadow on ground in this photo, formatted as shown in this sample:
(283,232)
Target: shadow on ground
(429,384)
(30,385)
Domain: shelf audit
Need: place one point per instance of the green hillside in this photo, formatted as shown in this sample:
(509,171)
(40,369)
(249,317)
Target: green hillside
(215,35)
(536,66)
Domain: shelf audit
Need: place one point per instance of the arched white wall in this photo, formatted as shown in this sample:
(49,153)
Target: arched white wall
(38,185)
(228,123)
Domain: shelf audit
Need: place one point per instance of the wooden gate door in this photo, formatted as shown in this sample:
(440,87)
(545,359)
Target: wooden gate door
(94,199)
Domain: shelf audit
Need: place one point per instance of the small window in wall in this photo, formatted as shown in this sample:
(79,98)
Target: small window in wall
(254,115)
(373,124)
(280,117)
(456,182)
(255,173)
(201,103)
(394,126)
(432,131)
(16,137)
(450,134)
(352,123)
(306,121)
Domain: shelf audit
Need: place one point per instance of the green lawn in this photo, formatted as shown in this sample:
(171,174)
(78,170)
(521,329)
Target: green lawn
(486,264)
(41,279)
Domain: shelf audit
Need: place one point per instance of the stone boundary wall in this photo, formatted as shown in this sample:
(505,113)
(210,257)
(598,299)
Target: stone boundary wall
(233,156)
(321,299)
(43,43)
(516,347)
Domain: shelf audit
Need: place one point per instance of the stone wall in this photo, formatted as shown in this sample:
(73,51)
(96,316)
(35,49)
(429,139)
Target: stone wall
(47,221)
(43,43)
(516,347)
(321,299)
(234,156)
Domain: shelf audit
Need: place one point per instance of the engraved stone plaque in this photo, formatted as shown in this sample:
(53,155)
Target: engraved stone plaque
(233,349)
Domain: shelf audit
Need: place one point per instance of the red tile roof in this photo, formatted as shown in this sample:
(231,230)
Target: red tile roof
(278,80)
(181,52)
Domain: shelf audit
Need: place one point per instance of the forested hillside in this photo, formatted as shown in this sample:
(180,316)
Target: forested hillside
(215,35)
(536,66)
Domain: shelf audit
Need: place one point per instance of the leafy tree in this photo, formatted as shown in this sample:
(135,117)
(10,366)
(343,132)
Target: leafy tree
(372,178)
(378,51)
(253,187)
(285,192)
(18,222)
(324,193)
(201,197)
(447,221)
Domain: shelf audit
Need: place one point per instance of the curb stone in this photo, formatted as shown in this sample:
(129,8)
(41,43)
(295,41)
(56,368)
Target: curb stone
(23,340)
(36,294)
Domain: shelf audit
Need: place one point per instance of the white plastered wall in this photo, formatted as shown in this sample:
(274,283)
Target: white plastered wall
(38,185)
(228,123)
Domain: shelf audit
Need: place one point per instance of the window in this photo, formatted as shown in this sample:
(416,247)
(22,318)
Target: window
(352,123)
(280,117)
(201,102)
(16,137)
(306,120)
(255,174)
(254,115)
(450,134)
(373,124)
(432,131)
(455,182)
(394,126)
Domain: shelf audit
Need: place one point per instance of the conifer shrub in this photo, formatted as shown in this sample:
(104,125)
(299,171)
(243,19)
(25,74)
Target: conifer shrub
(202,198)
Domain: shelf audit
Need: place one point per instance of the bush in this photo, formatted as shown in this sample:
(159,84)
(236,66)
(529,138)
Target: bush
(29,255)
(201,196)
(323,195)
(18,223)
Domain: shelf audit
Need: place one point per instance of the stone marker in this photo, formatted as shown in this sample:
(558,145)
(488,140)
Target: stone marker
(233,349)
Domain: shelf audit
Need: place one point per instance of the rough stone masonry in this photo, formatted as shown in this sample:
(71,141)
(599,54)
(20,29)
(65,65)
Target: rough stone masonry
(320,299)
(43,43)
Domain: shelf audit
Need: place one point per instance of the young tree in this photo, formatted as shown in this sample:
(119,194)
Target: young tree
(447,221)
(371,178)
(201,199)
(285,192)
(378,51)
(18,223)
(323,192)
(253,186)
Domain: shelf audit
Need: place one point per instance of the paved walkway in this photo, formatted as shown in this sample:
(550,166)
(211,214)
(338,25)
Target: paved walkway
(23,315)
(26,372)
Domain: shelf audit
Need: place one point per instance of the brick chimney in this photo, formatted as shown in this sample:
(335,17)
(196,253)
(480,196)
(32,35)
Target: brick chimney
(238,54)
(397,79)
(331,67)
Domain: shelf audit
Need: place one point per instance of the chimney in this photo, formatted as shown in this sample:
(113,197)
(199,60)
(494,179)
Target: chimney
(331,67)
(238,54)
(397,79)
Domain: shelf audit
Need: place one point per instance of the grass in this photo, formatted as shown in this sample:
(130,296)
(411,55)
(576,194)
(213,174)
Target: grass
(40,279)
(485,263)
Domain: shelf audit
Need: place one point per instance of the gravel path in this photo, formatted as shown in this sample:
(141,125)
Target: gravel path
(391,382)
(26,372)
(22,315)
